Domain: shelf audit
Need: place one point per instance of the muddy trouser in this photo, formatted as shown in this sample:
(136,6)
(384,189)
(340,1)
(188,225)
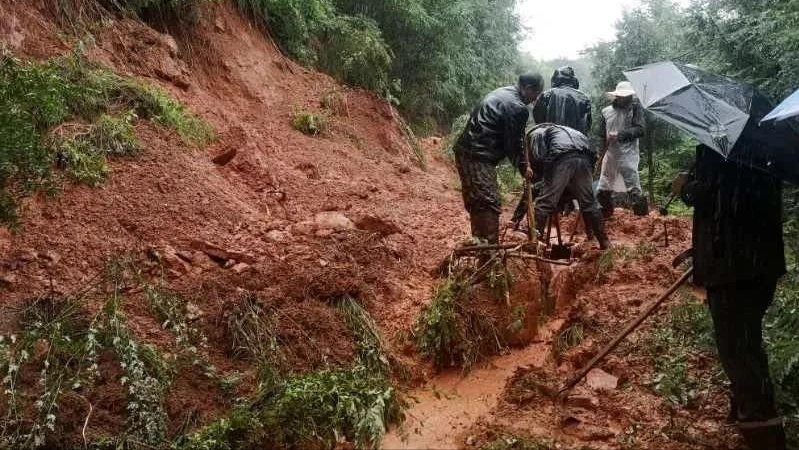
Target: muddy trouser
(737,310)
(575,174)
(480,191)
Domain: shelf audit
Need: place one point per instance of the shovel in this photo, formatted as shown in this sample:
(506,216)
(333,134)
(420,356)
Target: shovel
(559,250)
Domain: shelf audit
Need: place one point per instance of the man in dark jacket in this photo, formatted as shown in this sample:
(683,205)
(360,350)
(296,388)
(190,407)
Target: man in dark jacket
(564,104)
(495,131)
(566,159)
(738,257)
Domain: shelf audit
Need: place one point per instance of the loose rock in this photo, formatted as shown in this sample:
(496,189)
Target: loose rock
(598,379)
(241,268)
(333,221)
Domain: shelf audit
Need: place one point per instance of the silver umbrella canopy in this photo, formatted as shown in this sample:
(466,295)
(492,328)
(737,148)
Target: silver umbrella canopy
(712,108)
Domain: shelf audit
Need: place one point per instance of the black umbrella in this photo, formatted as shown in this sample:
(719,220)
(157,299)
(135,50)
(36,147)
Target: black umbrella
(721,113)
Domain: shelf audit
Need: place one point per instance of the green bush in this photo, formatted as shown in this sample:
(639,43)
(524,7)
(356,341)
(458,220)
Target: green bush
(73,113)
(309,123)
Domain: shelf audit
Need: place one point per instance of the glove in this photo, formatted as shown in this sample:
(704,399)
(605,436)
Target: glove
(625,136)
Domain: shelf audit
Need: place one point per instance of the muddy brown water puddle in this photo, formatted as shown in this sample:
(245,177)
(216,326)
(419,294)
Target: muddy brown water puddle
(450,403)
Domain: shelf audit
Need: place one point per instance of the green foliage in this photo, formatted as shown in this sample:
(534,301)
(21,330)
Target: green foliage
(674,346)
(310,123)
(68,111)
(436,332)
(309,410)
(451,334)
(782,346)
(355,53)
(435,57)
(371,351)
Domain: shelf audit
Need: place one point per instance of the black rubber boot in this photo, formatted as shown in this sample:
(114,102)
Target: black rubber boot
(593,221)
(763,435)
(605,199)
(485,225)
(640,204)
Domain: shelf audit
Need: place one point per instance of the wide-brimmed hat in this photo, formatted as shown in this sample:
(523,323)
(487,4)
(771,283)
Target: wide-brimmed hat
(623,89)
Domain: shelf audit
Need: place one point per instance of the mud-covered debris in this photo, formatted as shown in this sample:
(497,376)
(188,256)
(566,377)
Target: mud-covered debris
(585,401)
(202,260)
(598,379)
(330,220)
(225,156)
(27,255)
(51,256)
(377,225)
(218,252)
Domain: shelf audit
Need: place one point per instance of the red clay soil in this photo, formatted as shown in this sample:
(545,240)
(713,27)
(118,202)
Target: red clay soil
(384,223)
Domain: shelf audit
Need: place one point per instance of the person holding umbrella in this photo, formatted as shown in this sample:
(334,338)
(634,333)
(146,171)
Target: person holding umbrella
(620,128)
(736,190)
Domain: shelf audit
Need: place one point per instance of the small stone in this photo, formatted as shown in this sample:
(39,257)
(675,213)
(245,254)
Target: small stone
(471,440)
(193,312)
(51,256)
(334,221)
(229,263)
(598,379)
(240,268)
(323,263)
(404,168)
(277,236)
(8,281)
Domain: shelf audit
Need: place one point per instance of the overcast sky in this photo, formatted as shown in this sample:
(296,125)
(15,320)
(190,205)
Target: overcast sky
(564,27)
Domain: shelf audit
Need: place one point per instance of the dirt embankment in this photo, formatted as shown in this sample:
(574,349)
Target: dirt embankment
(299,220)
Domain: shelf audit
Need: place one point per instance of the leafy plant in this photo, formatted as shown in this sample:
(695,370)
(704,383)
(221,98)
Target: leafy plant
(371,353)
(76,114)
(309,123)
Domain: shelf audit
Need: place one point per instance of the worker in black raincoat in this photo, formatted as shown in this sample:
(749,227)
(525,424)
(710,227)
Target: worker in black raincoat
(495,131)
(565,158)
(563,104)
(738,257)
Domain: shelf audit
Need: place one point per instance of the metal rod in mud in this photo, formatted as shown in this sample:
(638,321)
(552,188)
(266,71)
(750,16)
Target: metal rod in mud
(627,330)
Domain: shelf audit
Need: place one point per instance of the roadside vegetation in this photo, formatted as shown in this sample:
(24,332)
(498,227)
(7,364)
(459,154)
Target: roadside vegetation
(69,114)
(64,347)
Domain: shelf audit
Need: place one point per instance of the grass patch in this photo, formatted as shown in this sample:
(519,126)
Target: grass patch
(69,113)
(618,254)
(568,338)
(309,123)
(676,344)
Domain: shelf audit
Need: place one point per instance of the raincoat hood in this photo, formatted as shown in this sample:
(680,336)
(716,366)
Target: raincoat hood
(564,77)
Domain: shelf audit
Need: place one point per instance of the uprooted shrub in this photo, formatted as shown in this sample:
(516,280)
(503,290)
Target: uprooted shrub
(73,114)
